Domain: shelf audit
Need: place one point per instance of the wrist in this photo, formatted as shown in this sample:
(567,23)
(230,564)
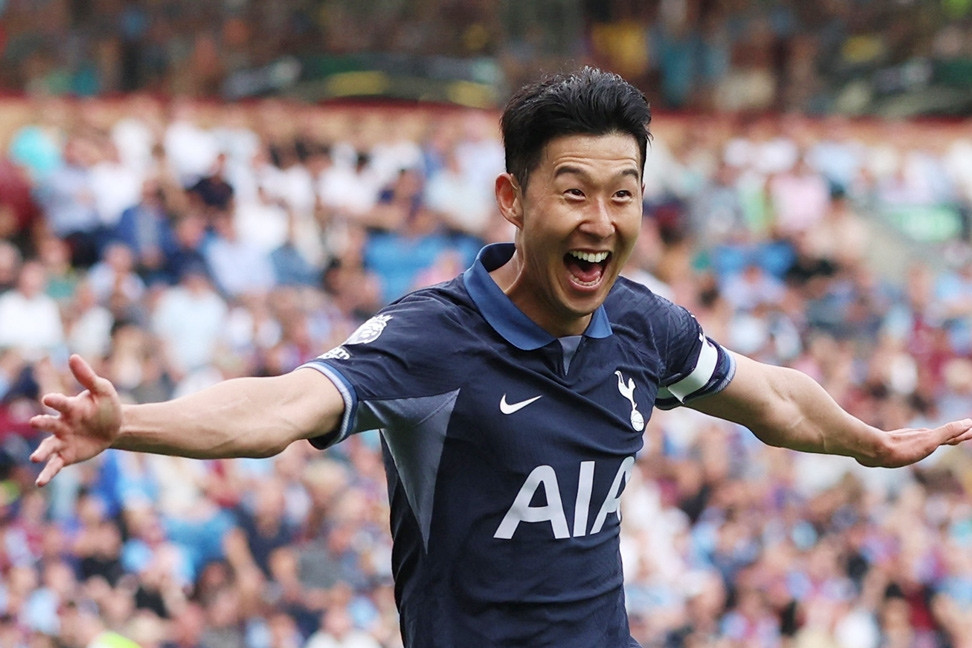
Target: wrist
(873,447)
(122,437)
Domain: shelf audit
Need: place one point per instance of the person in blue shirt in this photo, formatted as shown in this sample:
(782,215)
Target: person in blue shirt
(511,400)
(146,228)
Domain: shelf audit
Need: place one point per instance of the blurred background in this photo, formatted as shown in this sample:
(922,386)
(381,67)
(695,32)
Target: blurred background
(902,58)
(195,191)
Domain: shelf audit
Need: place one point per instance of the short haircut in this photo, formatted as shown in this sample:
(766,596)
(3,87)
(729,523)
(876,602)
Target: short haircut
(587,102)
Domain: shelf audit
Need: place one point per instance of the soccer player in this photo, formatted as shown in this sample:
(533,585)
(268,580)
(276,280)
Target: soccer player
(511,400)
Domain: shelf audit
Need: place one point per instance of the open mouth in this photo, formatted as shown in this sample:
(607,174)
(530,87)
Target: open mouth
(587,268)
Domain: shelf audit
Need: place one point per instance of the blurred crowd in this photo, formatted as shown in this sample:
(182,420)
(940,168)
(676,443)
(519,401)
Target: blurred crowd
(818,57)
(175,244)
(697,54)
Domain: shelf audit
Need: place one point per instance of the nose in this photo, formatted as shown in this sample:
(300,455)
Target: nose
(598,221)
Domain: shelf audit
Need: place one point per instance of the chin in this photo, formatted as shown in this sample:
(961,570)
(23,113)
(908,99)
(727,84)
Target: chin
(583,307)
(586,298)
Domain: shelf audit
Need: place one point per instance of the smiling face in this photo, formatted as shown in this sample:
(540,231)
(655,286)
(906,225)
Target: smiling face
(577,222)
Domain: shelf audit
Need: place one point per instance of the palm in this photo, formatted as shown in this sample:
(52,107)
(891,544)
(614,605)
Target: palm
(92,421)
(85,425)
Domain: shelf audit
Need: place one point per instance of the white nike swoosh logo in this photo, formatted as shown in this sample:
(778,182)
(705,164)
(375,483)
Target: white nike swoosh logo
(510,408)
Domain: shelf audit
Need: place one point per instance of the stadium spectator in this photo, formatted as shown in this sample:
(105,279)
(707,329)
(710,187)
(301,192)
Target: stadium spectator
(338,631)
(839,157)
(10,263)
(19,212)
(37,146)
(213,192)
(953,294)
(291,265)
(354,291)
(396,203)
(716,213)
(800,198)
(30,320)
(115,185)
(114,277)
(463,203)
(263,521)
(189,319)
(263,220)
(146,228)
(88,322)
(67,197)
(287,178)
(841,235)
(190,149)
(351,190)
(238,266)
(190,238)
(399,254)
(187,627)
(62,278)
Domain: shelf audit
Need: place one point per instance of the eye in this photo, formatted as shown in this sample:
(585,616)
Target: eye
(574,192)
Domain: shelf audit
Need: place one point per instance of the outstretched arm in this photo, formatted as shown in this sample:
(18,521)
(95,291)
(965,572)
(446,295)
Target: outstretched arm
(243,417)
(786,408)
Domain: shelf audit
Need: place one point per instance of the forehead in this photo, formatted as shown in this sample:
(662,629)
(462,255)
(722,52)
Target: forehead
(596,155)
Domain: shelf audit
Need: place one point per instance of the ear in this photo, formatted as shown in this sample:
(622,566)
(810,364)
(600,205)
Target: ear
(509,199)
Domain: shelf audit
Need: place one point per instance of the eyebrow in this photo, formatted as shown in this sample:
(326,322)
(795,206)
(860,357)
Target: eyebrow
(568,169)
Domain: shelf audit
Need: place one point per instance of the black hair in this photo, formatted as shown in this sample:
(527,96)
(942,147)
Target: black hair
(588,102)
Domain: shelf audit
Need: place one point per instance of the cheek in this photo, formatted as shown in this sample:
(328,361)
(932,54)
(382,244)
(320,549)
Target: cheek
(628,233)
(541,235)
(630,226)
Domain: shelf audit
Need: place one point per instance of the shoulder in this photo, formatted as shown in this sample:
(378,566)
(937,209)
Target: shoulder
(632,304)
(431,319)
(443,304)
(626,290)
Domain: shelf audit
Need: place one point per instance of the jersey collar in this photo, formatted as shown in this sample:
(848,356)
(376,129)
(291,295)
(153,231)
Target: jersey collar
(508,320)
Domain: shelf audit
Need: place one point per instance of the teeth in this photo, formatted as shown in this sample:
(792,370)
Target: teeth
(590,257)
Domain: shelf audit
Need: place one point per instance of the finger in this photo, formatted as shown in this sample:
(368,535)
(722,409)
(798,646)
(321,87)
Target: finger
(965,436)
(58,402)
(956,429)
(53,424)
(51,468)
(42,421)
(47,448)
(45,421)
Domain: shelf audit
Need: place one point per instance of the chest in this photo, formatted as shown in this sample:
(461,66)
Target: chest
(527,408)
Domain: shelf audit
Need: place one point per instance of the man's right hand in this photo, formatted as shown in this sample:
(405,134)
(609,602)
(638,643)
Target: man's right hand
(85,425)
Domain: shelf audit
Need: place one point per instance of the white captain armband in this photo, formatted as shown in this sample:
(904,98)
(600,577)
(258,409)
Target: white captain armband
(703,379)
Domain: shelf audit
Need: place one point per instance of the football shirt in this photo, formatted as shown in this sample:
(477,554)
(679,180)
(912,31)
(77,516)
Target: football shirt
(507,449)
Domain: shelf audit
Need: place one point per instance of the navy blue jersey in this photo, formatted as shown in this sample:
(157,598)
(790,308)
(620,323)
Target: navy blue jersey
(507,450)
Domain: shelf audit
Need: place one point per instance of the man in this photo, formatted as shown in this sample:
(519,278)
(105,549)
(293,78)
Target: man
(30,320)
(67,198)
(146,228)
(512,400)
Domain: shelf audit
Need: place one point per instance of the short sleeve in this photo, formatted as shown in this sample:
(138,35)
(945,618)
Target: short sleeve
(697,366)
(396,356)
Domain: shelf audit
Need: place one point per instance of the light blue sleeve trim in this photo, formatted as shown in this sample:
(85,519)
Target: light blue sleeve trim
(350,405)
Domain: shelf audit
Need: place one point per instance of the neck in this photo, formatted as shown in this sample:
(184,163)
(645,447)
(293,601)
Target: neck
(511,279)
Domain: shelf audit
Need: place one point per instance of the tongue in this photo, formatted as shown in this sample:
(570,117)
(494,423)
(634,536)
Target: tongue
(584,271)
